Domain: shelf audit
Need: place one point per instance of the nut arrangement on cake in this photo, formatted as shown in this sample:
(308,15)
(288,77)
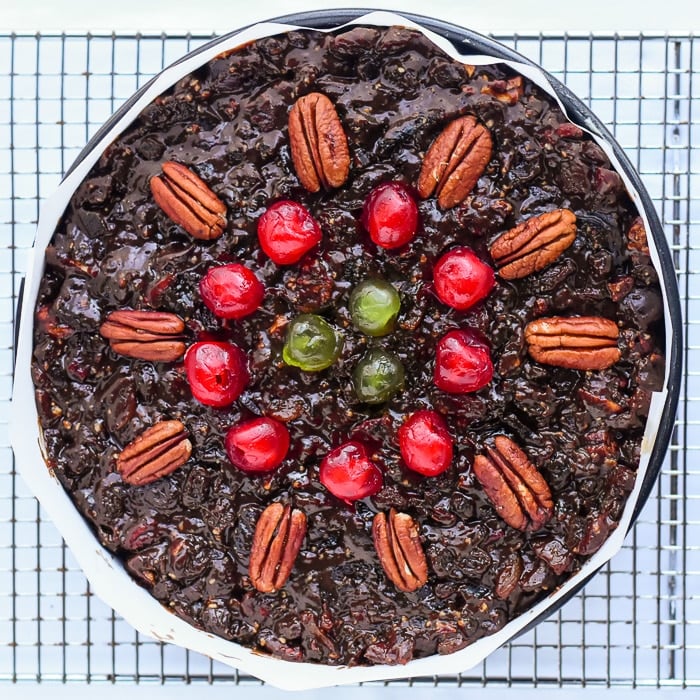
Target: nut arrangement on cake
(346,348)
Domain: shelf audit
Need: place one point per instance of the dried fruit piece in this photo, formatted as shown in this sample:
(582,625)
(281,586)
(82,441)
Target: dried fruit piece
(568,130)
(400,551)
(553,552)
(620,287)
(278,536)
(318,143)
(455,161)
(596,531)
(157,452)
(578,342)
(637,237)
(145,335)
(508,576)
(533,244)
(187,200)
(508,91)
(516,489)
(47,322)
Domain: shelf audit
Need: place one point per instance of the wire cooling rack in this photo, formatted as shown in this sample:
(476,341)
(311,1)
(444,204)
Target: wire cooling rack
(636,624)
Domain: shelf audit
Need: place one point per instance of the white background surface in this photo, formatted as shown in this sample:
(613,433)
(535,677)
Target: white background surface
(223,15)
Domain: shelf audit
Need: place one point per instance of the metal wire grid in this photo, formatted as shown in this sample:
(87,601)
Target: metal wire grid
(636,624)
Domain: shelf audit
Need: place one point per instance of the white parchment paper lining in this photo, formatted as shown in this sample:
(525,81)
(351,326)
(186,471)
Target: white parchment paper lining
(107,576)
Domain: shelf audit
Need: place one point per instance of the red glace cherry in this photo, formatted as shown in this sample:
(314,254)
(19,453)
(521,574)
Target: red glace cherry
(349,474)
(390,215)
(231,291)
(257,445)
(462,362)
(425,443)
(286,231)
(462,279)
(217,372)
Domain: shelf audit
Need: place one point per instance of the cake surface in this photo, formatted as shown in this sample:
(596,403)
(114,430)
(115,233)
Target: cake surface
(573,433)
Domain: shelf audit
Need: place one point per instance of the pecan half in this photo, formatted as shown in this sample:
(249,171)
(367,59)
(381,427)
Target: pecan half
(187,200)
(399,550)
(516,489)
(276,543)
(533,244)
(145,335)
(157,452)
(455,161)
(579,342)
(318,143)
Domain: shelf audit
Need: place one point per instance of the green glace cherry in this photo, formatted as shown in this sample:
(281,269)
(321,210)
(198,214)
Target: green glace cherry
(374,306)
(378,376)
(312,343)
